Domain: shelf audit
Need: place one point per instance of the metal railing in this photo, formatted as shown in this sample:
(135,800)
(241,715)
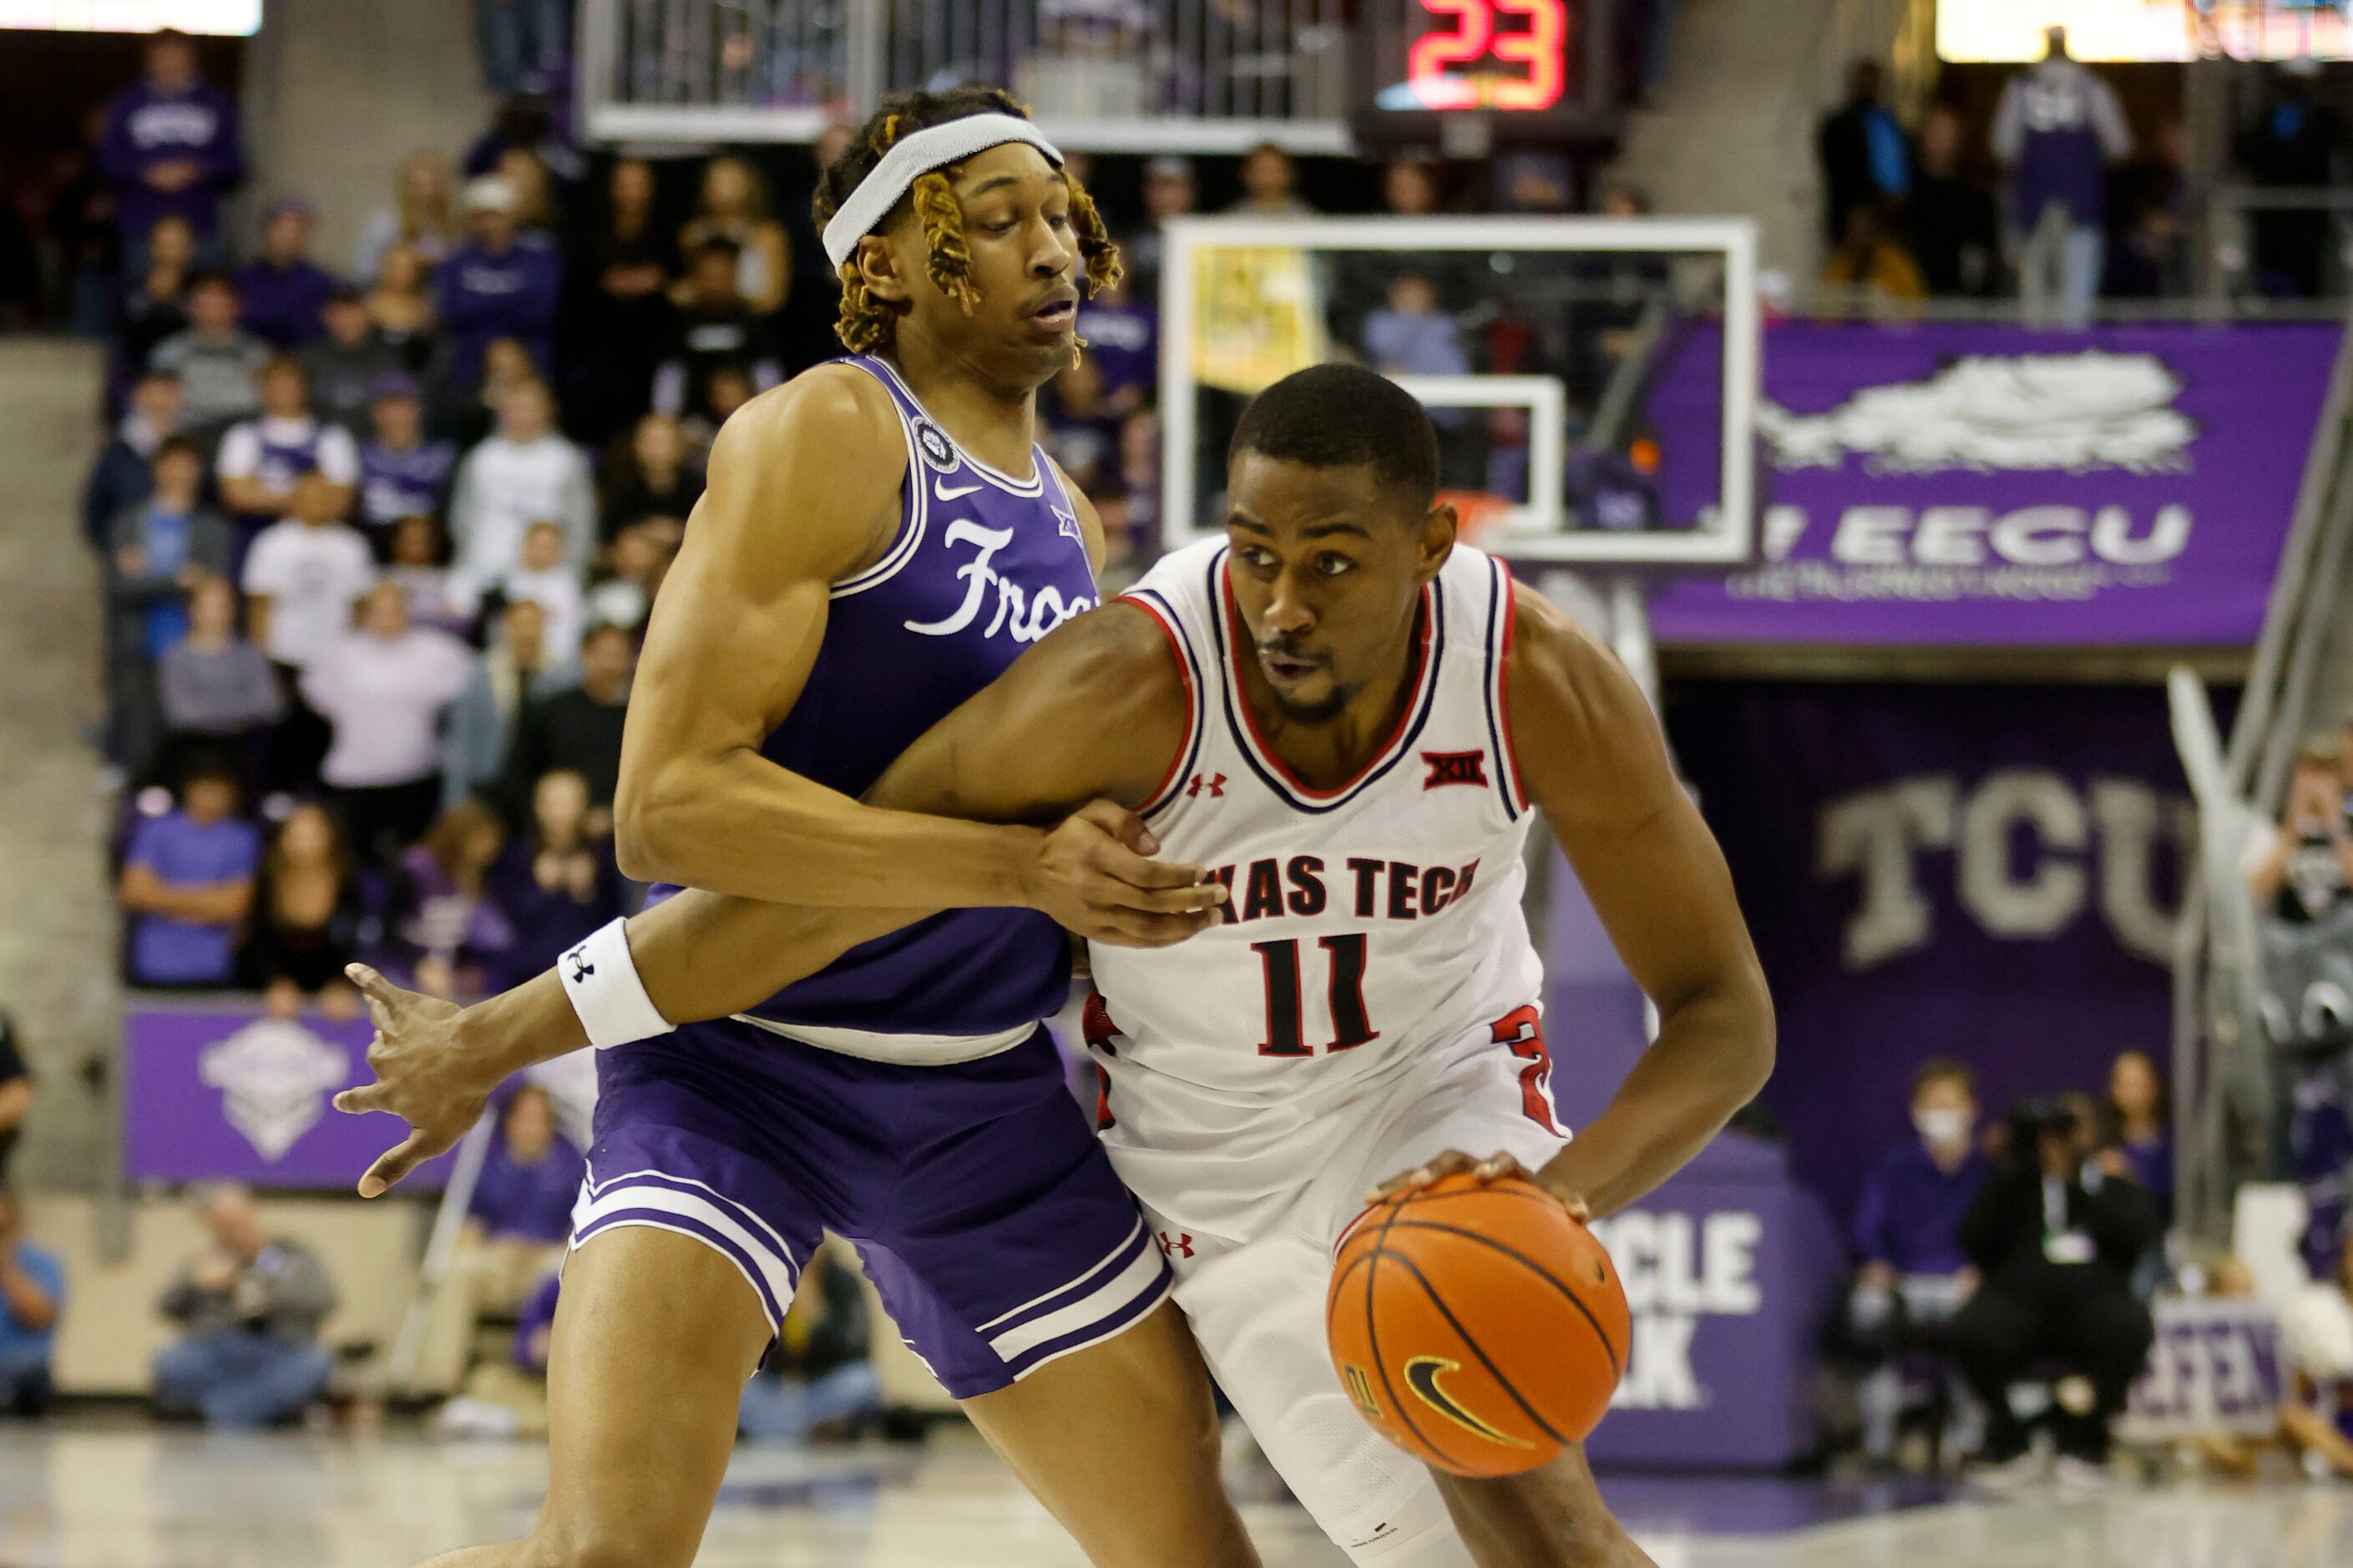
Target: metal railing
(1839,302)
(2226,1084)
(2233,269)
(1176,76)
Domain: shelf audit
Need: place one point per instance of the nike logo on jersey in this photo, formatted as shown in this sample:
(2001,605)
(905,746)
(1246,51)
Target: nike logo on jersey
(941,491)
(1421,1374)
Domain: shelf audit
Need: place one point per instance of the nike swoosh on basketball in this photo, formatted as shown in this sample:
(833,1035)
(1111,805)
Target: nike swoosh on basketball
(941,491)
(1421,1376)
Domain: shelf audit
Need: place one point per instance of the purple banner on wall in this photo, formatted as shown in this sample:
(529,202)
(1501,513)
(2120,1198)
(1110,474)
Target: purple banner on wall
(1988,873)
(1958,484)
(227,1093)
(1729,1269)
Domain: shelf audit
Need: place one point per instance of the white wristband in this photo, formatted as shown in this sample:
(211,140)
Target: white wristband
(601,983)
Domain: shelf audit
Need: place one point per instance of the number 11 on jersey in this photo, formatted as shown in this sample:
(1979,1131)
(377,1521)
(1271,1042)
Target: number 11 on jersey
(1344,958)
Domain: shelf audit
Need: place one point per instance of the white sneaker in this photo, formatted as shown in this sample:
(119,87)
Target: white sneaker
(2029,1469)
(2081,1475)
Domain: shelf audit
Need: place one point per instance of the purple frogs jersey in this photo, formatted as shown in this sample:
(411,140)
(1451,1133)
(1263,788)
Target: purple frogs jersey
(983,565)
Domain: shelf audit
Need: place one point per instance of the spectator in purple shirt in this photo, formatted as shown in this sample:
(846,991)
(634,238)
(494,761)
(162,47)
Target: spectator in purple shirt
(515,1228)
(187,882)
(501,283)
(283,291)
(2057,128)
(171,149)
(557,882)
(1914,1275)
(2138,1128)
(1123,337)
(402,473)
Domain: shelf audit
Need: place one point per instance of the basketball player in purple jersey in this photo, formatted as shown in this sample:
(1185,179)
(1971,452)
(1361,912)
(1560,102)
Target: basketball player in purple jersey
(880,540)
(1355,718)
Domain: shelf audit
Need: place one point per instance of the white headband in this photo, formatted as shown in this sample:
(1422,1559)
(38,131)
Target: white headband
(917,154)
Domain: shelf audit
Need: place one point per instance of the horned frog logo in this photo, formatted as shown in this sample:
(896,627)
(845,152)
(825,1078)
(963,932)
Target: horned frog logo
(274,1076)
(2072,413)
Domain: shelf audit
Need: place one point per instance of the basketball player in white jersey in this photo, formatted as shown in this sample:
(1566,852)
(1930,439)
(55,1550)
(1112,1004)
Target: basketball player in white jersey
(1352,718)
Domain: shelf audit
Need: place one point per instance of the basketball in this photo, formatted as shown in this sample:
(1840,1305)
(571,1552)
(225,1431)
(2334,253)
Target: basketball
(1477,1326)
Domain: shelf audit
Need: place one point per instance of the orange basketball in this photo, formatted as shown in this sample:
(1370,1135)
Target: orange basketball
(1477,1326)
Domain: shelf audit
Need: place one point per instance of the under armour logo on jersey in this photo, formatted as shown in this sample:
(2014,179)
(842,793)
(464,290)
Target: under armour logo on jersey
(1178,1246)
(581,967)
(1456,768)
(1215,783)
(1066,523)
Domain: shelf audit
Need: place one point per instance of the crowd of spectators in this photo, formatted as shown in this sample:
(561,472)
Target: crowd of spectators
(1906,216)
(2019,1253)
(373,604)
(2008,1275)
(379,544)
(2054,200)
(2299,879)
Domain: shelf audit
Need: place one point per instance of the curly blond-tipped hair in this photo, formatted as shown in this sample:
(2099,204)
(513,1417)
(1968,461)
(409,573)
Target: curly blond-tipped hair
(865,323)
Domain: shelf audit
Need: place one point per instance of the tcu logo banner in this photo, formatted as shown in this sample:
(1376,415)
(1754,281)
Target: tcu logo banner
(1988,873)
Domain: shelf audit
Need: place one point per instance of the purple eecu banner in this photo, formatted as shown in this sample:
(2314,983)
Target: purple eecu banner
(1990,873)
(228,1093)
(1956,484)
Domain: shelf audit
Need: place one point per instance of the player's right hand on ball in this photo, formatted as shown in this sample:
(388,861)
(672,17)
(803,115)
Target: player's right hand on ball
(424,1075)
(1094,874)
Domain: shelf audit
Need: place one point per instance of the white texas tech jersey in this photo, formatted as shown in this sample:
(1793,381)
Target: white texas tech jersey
(1368,926)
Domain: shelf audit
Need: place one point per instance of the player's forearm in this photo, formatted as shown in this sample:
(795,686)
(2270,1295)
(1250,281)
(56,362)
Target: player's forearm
(707,955)
(501,1035)
(1714,1053)
(699,955)
(744,827)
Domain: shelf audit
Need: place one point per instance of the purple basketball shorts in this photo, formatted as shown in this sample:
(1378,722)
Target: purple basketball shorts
(985,1211)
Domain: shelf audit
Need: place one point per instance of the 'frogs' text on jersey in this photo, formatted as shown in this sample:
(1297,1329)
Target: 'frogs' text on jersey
(984,564)
(1366,925)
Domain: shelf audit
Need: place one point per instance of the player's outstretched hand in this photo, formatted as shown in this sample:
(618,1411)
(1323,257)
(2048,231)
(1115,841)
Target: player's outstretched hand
(1095,874)
(1455,1162)
(424,1076)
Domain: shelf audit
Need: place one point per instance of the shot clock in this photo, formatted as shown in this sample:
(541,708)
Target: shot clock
(1503,71)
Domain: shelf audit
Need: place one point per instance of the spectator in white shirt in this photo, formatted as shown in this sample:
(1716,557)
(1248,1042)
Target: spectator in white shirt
(301,577)
(639,558)
(383,689)
(544,577)
(261,458)
(304,573)
(524,473)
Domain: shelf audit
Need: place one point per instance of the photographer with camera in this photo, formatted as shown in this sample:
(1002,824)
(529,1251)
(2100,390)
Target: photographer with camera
(2300,870)
(2056,1237)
